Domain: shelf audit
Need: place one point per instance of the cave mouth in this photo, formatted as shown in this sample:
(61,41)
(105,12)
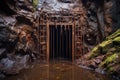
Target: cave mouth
(60,42)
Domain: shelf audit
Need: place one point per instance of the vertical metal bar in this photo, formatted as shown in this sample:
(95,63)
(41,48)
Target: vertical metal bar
(73,42)
(66,42)
(54,41)
(60,40)
(51,42)
(63,45)
(69,43)
(57,41)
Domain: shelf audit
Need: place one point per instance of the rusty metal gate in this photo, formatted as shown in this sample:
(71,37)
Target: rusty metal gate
(45,45)
(60,42)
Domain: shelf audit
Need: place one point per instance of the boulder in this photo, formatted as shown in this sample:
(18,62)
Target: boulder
(13,66)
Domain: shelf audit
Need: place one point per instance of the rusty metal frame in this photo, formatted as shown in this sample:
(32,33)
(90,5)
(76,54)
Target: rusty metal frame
(47,22)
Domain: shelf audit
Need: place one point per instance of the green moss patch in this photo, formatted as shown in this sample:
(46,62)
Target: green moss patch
(109,59)
(114,35)
(110,42)
(35,2)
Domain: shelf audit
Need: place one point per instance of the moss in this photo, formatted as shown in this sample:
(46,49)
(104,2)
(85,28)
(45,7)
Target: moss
(114,35)
(110,69)
(109,59)
(113,67)
(100,49)
(95,52)
(95,49)
(110,49)
(105,43)
(35,2)
(105,47)
(117,39)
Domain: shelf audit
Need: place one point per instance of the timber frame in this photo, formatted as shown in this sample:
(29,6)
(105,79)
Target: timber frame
(60,18)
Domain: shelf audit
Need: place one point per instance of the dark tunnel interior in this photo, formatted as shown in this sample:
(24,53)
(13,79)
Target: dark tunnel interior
(60,42)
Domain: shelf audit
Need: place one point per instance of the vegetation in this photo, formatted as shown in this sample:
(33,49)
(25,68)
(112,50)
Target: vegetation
(35,2)
(106,45)
(109,59)
(110,49)
(114,35)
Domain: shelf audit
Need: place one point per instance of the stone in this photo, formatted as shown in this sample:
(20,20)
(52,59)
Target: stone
(100,70)
(1,20)
(2,76)
(4,35)
(7,63)
(22,61)
(2,51)
(11,67)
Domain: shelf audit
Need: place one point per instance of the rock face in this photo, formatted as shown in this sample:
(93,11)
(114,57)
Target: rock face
(18,37)
(10,66)
(105,57)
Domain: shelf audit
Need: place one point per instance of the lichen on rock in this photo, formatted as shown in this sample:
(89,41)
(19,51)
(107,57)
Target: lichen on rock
(108,55)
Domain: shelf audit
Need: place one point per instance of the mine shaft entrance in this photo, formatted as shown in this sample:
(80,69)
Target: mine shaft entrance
(60,36)
(60,42)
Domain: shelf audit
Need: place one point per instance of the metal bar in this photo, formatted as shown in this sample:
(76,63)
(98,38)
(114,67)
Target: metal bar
(69,42)
(66,41)
(52,43)
(57,41)
(73,42)
(60,40)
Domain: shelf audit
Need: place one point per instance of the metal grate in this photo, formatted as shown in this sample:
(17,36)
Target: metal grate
(47,19)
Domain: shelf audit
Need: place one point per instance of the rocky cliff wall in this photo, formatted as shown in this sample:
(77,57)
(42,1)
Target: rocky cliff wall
(18,36)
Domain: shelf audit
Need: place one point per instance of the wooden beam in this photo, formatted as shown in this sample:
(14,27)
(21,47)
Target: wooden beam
(48,41)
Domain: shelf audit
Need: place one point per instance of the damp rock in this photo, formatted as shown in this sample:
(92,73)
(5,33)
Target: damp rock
(99,70)
(12,66)
(2,21)
(2,51)
(7,63)
(2,76)
(22,61)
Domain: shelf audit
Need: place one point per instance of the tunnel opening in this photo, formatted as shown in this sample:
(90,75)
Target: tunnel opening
(60,42)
